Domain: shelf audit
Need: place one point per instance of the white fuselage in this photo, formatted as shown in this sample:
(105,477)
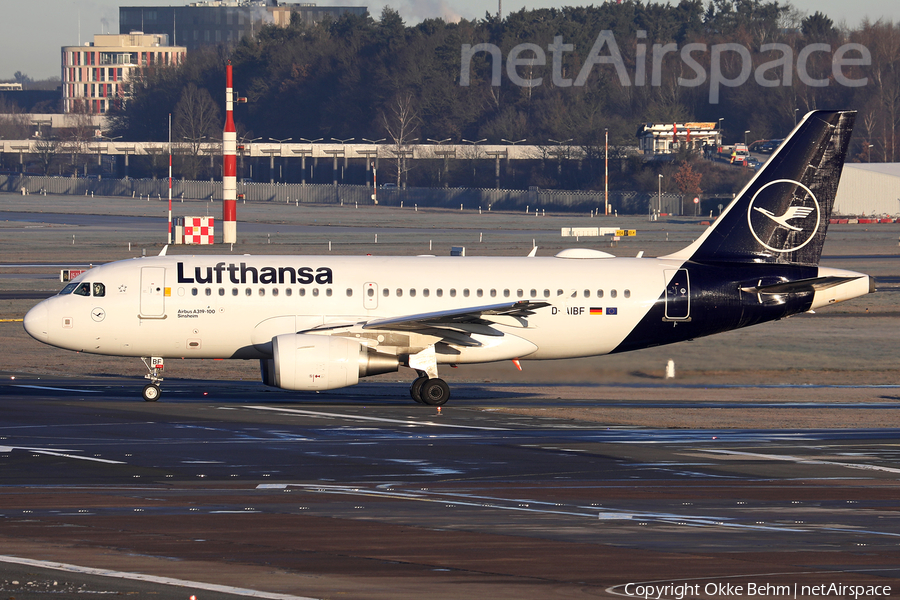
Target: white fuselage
(147,311)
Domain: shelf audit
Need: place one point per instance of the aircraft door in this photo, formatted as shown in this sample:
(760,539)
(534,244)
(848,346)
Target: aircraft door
(370,296)
(153,292)
(678,295)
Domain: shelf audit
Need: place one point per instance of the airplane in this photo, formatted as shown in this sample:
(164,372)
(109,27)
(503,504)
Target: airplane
(323,322)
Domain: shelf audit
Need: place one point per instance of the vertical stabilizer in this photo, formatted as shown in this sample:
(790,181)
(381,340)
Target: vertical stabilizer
(781,215)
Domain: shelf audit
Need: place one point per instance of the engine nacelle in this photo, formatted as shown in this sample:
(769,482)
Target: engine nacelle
(318,362)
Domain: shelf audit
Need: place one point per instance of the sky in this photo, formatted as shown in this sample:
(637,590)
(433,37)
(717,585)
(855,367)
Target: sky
(33,31)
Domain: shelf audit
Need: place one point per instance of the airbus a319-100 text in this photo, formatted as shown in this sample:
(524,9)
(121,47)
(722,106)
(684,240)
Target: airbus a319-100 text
(323,322)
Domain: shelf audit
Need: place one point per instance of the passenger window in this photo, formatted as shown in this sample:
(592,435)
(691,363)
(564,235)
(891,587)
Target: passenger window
(221,291)
(83,289)
(559,292)
(520,293)
(274,291)
(193,291)
(234,291)
(612,293)
(493,293)
(302,291)
(439,292)
(587,293)
(287,291)
(506,293)
(412,293)
(385,292)
(453,293)
(399,292)
(315,291)
(262,291)
(208,291)
(546,293)
(627,293)
(328,292)
(466,293)
(599,293)
(534,293)
(248,292)
(99,290)
(479,293)
(426,292)
(68,289)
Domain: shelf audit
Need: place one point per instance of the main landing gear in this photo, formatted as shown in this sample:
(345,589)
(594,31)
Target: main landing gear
(429,390)
(152,391)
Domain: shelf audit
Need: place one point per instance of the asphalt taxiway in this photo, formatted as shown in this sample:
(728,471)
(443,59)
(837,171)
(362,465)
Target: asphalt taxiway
(236,491)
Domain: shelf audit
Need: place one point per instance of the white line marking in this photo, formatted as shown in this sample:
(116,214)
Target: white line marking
(55,389)
(313,413)
(526,505)
(61,453)
(149,578)
(805,461)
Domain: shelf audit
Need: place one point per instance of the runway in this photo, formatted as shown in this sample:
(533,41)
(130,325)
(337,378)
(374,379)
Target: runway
(362,494)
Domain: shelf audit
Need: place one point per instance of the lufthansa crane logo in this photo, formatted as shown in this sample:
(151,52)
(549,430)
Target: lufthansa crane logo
(795,227)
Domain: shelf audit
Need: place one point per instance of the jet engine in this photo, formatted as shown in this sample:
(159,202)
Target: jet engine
(317,362)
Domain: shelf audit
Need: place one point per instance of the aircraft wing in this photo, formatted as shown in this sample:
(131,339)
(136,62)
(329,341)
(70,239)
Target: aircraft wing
(474,315)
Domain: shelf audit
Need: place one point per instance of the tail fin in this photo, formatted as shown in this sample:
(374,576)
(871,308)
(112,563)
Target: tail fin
(781,216)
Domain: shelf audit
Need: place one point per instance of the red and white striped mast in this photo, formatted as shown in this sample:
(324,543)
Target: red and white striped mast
(229,162)
(170,240)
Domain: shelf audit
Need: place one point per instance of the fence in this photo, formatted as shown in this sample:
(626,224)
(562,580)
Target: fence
(512,200)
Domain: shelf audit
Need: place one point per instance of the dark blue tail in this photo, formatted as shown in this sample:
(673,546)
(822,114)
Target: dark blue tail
(781,216)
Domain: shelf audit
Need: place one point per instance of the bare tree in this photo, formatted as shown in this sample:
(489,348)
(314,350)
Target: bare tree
(13,124)
(401,120)
(79,131)
(46,150)
(196,119)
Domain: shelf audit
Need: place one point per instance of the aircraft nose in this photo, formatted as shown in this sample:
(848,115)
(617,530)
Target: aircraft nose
(37,322)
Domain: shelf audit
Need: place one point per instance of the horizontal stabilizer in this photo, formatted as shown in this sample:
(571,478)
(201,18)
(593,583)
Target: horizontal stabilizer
(801,286)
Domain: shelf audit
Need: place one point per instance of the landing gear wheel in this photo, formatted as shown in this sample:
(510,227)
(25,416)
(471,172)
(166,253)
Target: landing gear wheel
(151,392)
(415,390)
(435,392)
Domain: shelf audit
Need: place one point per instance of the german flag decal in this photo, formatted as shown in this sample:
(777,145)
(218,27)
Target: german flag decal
(596,311)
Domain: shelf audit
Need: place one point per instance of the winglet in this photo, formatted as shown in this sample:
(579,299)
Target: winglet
(163,251)
(533,252)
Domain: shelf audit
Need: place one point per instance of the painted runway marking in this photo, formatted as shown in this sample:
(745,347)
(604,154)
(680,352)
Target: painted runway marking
(530,506)
(60,453)
(211,587)
(313,413)
(805,461)
(55,389)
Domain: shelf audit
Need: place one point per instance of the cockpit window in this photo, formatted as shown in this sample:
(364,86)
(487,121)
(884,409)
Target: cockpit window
(99,290)
(68,289)
(83,289)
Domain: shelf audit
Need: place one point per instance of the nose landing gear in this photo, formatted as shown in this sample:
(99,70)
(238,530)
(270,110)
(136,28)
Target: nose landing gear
(155,366)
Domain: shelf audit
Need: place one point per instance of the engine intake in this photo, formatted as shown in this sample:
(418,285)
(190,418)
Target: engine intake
(316,362)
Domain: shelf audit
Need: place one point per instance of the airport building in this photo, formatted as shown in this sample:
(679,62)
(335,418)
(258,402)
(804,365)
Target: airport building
(222,21)
(869,190)
(99,76)
(667,138)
